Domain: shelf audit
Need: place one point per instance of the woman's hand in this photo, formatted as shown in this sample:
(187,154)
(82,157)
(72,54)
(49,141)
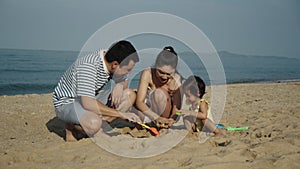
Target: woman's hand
(162,122)
(171,122)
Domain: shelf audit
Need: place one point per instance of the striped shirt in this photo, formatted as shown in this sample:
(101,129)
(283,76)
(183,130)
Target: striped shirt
(85,77)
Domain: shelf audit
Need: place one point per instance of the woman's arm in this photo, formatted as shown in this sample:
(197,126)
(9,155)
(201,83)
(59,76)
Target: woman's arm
(142,93)
(176,104)
(177,96)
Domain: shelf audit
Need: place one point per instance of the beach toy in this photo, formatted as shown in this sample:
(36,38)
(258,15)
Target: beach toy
(220,126)
(152,129)
(229,128)
(178,113)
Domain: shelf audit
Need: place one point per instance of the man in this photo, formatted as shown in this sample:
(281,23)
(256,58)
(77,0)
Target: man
(78,98)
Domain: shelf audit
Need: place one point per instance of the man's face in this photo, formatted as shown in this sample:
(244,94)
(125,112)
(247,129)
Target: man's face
(124,69)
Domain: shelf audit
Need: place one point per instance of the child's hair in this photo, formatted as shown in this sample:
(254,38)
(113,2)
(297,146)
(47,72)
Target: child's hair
(122,52)
(167,56)
(196,86)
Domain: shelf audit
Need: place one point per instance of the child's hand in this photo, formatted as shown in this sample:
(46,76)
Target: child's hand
(185,113)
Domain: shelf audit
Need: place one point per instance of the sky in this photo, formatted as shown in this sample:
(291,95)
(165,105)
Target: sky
(250,27)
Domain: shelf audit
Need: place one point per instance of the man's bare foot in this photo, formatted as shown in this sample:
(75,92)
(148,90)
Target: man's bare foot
(71,135)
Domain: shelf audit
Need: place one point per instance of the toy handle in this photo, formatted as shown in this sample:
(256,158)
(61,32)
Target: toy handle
(229,128)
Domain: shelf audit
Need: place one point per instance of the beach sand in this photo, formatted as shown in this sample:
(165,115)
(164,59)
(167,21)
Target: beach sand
(32,137)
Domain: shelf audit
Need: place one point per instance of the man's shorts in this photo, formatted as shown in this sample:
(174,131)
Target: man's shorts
(73,112)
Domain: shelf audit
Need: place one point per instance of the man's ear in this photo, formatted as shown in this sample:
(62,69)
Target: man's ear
(114,65)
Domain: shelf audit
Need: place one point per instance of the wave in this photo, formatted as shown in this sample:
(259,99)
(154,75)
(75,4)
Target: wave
(22,88)
(31,70)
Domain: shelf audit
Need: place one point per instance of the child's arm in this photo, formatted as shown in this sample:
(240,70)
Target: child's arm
(201,114)
(188,113)
(203,108)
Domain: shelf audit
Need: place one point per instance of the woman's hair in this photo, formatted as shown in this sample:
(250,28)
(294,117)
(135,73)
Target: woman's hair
(167,56)
(196,86)
(122,52)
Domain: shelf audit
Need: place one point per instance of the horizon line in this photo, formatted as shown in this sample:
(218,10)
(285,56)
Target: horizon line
(220,51)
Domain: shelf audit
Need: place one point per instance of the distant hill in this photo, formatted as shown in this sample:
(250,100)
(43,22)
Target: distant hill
(226,54)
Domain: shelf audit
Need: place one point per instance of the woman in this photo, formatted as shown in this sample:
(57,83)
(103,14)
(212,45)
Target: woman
(158,95)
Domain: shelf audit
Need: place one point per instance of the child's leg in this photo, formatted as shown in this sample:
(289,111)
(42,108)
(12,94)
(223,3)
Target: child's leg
(161,102)
(211,127)
(208,125)
(189,123)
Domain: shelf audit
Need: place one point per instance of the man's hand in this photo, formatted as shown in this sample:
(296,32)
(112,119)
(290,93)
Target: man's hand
(131,117)
(116,95)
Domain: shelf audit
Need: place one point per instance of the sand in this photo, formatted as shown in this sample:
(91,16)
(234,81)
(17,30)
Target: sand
(32,137)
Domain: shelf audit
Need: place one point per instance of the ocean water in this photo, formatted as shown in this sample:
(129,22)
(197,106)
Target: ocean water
(38,71)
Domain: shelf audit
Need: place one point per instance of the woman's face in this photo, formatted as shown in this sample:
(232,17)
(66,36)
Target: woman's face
(164,73)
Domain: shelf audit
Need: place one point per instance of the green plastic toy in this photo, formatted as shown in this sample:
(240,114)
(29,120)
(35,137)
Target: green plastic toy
(229,128)
(178,113)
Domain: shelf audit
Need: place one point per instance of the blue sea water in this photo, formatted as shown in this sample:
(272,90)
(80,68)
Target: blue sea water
(38,71)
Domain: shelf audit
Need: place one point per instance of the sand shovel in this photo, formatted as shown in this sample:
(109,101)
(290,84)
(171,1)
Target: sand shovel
(152,129)
(229,128)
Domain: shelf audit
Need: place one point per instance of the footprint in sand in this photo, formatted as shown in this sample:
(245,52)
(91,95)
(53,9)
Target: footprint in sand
(223,142)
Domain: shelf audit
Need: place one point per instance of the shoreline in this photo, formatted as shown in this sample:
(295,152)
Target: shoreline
(233,83)
(32,137)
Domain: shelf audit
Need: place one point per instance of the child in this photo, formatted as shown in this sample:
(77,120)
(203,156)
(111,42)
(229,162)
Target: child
(196,117)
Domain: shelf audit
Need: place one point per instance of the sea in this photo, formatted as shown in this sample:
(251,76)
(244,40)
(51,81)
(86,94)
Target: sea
(38,71)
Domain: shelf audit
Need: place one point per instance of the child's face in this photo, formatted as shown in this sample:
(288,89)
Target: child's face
(190,98)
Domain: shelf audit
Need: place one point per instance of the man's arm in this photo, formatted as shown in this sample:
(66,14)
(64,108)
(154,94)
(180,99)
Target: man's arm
(95,106)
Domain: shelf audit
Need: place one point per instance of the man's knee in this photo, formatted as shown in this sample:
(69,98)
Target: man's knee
(91,123)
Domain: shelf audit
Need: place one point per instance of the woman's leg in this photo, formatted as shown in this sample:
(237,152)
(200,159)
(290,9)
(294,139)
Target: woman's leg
(127,100)
(161,102)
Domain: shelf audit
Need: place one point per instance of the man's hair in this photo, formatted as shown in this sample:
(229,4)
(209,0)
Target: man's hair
(195,84)
(167,56)
(122,52)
